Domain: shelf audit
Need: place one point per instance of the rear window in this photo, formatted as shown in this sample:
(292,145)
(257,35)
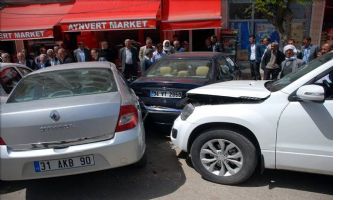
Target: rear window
(180,69)
(64,83)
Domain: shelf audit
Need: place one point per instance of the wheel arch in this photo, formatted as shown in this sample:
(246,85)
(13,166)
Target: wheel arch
(228,126)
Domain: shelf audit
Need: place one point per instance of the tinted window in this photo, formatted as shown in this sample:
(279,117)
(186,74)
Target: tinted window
(64,83)
(180,69)
(9,78)
(224,69)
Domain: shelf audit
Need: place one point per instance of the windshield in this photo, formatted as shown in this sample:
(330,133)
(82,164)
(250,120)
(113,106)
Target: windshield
(63,83)
(180,69)
(274,86)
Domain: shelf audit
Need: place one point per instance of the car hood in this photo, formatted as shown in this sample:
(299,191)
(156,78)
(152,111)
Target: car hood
(234,89)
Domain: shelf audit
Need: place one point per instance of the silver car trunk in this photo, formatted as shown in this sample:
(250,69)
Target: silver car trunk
(49,124)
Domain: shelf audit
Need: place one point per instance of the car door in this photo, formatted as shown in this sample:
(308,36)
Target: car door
(305,134)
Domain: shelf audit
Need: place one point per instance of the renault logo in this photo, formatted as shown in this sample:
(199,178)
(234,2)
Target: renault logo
(54,115)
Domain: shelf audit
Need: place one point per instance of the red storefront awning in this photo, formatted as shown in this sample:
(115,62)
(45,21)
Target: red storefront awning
(34,21)
(192,14)
(98,15)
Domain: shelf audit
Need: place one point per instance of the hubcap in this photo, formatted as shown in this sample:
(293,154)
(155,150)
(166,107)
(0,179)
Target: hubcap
(221,157)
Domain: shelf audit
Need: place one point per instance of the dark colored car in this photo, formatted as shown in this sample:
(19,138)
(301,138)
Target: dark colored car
(162,88)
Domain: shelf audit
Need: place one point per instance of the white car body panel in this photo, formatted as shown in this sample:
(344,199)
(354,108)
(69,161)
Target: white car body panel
(292,135)
(245,89)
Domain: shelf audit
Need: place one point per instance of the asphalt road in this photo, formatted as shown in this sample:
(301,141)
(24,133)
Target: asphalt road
(168,175)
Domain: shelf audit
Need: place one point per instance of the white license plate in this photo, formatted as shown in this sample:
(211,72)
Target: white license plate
(65,163)
(165,94)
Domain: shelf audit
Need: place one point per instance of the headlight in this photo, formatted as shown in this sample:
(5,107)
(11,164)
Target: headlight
(187,111)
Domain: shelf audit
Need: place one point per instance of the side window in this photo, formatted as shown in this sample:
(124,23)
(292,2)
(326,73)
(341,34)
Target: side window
(24,71)
(224,69)
(232,65)
(327,82)
(9,78)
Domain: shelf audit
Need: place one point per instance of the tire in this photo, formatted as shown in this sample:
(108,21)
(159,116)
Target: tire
(240,158)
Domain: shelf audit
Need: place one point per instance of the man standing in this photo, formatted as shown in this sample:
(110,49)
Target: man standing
(309,51)
(159,53)
(22,60)
(43,62)
(216,46)
(62,57)
(291,63)
(129,60)
(326,47)
(106,52)
(42,50)
(148,45)
(81,54)
(5,57)
(271,62)
(254,68)
(51,57)
(178,47)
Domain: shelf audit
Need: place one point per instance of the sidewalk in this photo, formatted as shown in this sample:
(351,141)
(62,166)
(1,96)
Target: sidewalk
(245,68)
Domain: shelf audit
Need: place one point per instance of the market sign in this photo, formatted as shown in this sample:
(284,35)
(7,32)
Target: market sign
(109,25)
(26,35)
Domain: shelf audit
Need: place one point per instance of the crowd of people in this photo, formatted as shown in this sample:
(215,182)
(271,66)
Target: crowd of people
(276,63)
(133,60)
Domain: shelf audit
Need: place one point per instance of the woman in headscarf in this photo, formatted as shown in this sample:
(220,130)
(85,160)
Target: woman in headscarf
(167,48)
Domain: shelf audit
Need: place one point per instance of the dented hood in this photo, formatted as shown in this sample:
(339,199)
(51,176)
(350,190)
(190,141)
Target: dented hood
(235,89)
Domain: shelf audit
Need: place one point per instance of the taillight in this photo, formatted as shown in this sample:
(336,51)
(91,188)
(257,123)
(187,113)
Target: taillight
(128,118)
(2,142)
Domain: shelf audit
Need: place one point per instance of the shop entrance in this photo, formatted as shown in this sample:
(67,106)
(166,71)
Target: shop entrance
(199,37)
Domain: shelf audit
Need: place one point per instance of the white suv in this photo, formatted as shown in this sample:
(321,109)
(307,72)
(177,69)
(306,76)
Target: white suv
(230,128)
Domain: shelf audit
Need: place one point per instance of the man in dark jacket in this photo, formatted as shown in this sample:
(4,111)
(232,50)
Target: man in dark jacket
(216,46)
(309,51)
(271,62)
(107,53)
(42,61)
(254,67)
(81,54)
(260,50)
(129,60)
(62,57)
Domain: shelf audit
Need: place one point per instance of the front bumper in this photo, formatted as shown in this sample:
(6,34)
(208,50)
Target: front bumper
(181,132)
(124,148)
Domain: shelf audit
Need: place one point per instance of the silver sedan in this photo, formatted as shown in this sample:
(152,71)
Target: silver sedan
(70,119)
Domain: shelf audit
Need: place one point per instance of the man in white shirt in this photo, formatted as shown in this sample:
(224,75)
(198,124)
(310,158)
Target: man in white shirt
(81,54)
(159,53)
(129,60)
(254,67)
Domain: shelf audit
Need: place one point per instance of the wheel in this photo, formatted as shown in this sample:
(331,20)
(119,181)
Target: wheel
(224,156)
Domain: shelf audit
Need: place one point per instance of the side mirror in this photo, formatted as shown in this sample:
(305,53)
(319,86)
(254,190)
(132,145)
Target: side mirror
(313,93)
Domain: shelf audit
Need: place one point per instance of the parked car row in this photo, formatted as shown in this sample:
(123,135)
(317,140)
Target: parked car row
(84,117)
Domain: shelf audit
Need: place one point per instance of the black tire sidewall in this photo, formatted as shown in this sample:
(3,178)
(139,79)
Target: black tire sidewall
(246,147)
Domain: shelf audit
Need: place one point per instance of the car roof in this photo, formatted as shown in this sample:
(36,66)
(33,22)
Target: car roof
(184,55)
(77,65)
(5,65)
